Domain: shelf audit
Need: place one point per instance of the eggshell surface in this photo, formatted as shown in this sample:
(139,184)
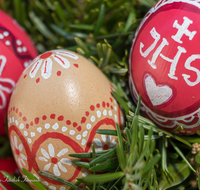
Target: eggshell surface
(16,52)
(56,106)
(164,65)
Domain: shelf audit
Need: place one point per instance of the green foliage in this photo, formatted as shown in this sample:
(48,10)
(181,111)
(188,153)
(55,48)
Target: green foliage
(146,157)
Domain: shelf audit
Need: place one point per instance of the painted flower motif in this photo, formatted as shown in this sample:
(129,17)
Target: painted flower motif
(6,84)
(104,143)
(46,60)
(55,161)
(19,157)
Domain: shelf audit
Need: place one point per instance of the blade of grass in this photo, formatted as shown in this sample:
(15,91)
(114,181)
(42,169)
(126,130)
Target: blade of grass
(88,154)
(108,165)
(121,102)
(56,178)
(151,163)
(120,149)
(99,20)
(81,164)
(101,178)
(107,132)
(2,186)
(182,155)
(103,157)
(17,182)
(33,180)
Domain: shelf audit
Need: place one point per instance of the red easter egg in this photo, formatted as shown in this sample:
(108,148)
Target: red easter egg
(165,65)
(16,52)
(7,165)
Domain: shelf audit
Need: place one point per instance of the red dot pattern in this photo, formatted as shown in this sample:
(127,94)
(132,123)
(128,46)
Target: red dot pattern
(92,108)
(68,122)
(36,120)
(83,120)
(79,128)
(37,80)
(53,116)
(61,117)
(44,117)
(75,124)
(75,65)
(58,73)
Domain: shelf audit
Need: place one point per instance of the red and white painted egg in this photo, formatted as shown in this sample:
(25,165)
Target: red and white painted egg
(165,65)
(59,102)
(16,52)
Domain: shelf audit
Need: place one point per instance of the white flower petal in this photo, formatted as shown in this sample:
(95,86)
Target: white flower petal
(103,137)
(62,152)
(12,142)
(23,156)
(46,167)
(15,141)
(51,150)
(113,143)
(35,68)
(52,187)
(98,149)
(12,147)
(22,161)
(43,159)
(68,54)
(56,171)
(62,167)
(62,61)
(45,183)
(97,142)
(46,69)
(44,153)
(66,161)
(19,162)
(20,147)
(108,138)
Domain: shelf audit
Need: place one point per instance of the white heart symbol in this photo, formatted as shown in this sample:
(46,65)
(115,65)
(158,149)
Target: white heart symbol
(39,129)
(158,94)
(32,134)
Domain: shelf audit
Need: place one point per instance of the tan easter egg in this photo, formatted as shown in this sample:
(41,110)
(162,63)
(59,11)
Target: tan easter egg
(59,102)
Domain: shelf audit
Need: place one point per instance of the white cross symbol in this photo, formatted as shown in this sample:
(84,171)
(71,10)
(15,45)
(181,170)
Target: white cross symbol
(183,29)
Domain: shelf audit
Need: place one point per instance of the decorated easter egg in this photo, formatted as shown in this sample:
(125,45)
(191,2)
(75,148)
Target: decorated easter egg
(165,65)
(59,102)
(16,52)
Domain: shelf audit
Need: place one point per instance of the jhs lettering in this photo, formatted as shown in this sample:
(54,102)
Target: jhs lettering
(161,43)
